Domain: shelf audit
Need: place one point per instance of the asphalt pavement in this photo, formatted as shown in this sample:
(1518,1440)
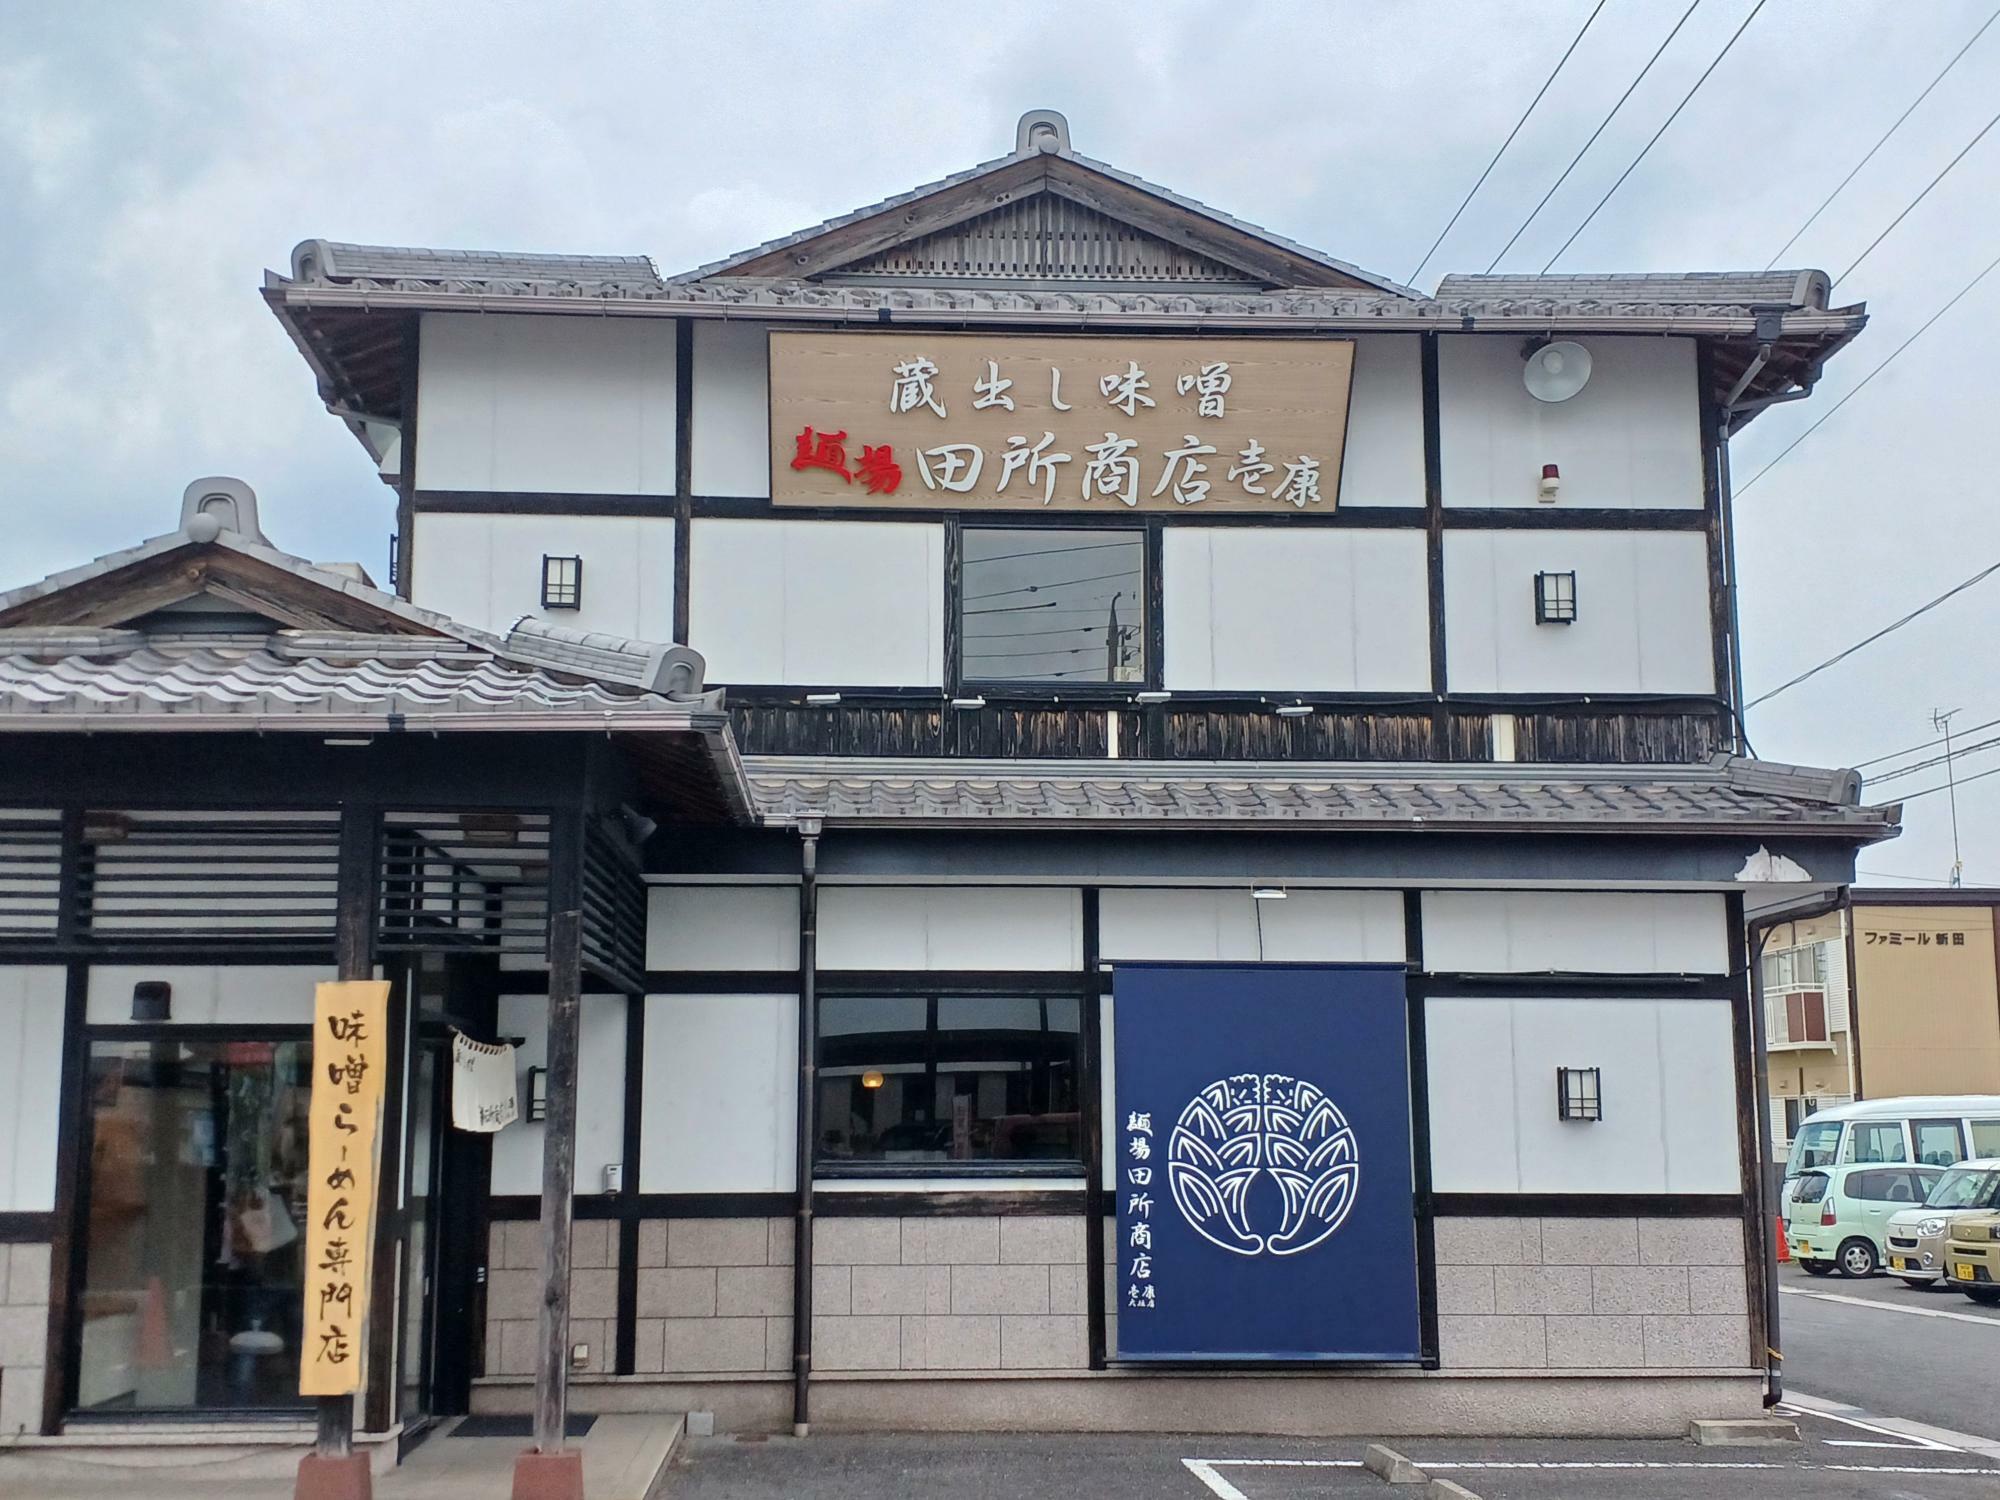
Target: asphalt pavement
(1034,1467)
(1932,1356)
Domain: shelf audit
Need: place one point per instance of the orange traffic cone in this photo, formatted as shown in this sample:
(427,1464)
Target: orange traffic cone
(1784,1249)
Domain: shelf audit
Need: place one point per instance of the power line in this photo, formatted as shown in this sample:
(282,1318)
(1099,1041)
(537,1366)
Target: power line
(1060,583)
(1656,135)
(1935,760)
(1411,279)
(1594,135)
(1984,573)
(1885,875)
(1947,786)
(1814,216)
(1913,749)
(1915,201)
(1015,635)
(1956,298)
(975,562)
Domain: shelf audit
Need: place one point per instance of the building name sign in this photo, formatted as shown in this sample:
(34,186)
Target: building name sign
(911,420)
(350,1052)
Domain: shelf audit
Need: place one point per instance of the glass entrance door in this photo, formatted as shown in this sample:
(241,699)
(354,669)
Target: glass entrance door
(193,1240)
(416,1360)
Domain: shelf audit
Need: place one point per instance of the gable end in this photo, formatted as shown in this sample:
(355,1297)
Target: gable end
(1044,238)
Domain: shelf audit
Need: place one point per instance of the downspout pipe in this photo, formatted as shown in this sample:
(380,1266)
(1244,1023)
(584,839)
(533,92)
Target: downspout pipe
(1725,505)
(1774,1359)
(802,1242)
(1759,933)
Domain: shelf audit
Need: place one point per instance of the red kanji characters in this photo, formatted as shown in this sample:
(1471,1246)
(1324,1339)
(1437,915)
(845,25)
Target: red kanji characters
(824,450)
(879,470)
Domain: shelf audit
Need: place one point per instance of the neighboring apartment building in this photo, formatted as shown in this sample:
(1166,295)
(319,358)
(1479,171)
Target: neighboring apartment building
(1222,849)
(1898,994)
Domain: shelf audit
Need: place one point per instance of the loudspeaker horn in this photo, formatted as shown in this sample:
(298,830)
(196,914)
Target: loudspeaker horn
(1557,371)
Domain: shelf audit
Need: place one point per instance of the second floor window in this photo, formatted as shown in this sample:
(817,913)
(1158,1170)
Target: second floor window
(1049,605)
(562,583)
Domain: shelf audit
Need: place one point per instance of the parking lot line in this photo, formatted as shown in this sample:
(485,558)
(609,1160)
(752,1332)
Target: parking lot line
(1940,1438)
(1217,1485)
(1914,1312)
(1909,1439)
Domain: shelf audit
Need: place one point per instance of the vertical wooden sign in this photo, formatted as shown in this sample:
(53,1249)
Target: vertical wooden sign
(350,1035)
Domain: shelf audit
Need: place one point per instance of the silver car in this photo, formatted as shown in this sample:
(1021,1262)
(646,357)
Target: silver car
(1914,1237)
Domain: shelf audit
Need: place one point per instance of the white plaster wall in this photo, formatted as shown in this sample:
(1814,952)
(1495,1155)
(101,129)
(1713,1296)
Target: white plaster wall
(954,927)
(722,927)
(1631,438)
(1194,926)
(1295,609)
(1668,1085)
(567,405)
(487,570)
(1383,463)
(845,603)
(210,994)
(731,409)
(600,1093)
(1642,622)
(721,1094)
(31,1054)
(1577,932)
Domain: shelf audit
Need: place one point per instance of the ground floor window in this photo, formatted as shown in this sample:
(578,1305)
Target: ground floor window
(194,1239)
(950,1078)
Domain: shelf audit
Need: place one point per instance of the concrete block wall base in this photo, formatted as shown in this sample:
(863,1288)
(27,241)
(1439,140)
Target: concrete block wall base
(345,1478)
(1618,1404)
(549,1476)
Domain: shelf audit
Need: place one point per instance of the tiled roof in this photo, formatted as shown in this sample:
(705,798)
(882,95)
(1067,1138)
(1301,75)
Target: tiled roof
(337,260)
(985,168)
(648,664)
(1726,795)
(100,675)
(1702,302)
(1802,289)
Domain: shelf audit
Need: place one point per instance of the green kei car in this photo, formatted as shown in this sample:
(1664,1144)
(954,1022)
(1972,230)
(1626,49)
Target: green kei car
(1837,1218)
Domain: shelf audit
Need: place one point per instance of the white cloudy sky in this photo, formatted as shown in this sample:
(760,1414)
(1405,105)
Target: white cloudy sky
(155,158)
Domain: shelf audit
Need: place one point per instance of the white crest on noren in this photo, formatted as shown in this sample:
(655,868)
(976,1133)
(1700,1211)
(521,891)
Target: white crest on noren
(1254,1124)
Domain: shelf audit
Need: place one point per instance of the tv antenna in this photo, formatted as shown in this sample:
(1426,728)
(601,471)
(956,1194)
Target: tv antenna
(1941,721)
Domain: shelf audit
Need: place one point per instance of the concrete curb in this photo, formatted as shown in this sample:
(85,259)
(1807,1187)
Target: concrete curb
(1744,1432)
(1387,1464)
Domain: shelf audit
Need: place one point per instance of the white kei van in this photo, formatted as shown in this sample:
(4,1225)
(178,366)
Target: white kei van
(1932,1130)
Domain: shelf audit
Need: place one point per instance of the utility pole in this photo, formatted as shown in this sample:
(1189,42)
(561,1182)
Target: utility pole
(1941,721)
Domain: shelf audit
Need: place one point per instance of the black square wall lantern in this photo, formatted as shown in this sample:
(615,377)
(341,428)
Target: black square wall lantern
(1579,1094)
(152,1000)
(562,582)
(1555,598)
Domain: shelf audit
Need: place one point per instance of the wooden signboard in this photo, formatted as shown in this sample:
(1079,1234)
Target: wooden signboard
(950,421)
(350,1026)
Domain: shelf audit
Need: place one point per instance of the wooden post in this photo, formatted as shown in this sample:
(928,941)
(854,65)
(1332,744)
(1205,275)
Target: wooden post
(808,1128)
(549,1472)
(333,1470)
